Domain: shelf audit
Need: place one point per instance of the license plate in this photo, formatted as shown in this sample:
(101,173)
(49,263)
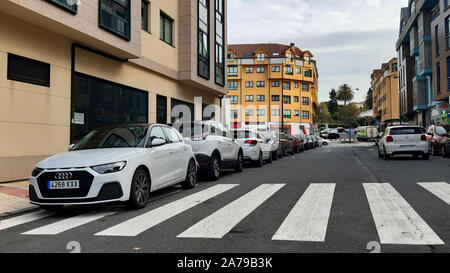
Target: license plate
(63,185)
(407,146)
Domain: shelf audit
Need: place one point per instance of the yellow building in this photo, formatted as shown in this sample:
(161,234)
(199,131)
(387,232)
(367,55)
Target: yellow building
(261,77)
(385,93)
(67,67)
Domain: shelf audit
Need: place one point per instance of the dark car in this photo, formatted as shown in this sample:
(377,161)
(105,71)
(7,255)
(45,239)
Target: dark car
(285,144)
(297,143)
(436,134)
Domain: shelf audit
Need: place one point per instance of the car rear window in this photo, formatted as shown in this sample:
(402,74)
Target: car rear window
(243,134)
(441,131)
(405,131)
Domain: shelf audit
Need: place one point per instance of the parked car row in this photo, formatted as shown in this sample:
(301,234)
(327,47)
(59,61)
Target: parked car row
(414,140)
(126,163)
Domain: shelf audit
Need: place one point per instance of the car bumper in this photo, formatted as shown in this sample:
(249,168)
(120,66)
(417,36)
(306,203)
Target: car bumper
(94,188)
(393,149)
(251,153)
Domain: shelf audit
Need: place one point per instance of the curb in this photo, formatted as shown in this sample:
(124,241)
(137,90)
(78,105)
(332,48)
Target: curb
(7,214)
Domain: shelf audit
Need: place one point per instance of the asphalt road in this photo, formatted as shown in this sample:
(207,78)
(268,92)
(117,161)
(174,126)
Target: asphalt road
(336,219)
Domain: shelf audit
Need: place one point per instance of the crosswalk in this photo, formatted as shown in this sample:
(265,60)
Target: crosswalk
(396,221)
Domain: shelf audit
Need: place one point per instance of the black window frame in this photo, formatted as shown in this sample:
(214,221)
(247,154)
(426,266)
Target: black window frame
(162,34)
(127,34)
(20,77)
(219,69)
(145,15)
(203,61)
(65,5)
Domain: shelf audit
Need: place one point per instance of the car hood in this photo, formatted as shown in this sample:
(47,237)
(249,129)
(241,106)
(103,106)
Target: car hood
(89,158)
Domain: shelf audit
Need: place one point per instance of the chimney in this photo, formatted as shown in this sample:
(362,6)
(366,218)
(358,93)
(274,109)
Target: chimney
(292,44)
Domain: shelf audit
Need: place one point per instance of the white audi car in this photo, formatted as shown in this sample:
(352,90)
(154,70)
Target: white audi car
(122,163)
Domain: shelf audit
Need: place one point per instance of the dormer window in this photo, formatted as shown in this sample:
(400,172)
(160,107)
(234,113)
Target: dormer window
(307,60)
(289,56)
(230,57)
(260,57)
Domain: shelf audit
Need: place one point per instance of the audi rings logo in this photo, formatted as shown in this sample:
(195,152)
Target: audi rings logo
(63,176)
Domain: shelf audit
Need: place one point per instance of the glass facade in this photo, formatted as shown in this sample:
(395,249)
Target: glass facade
(97,103)
(203,38)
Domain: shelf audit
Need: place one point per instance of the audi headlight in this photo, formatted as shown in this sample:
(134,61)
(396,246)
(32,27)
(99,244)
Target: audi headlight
(110,168)
(36,172)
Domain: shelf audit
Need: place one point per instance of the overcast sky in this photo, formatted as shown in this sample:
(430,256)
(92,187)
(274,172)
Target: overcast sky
(348,38)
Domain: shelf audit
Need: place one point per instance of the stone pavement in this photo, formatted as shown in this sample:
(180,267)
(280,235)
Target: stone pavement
(14,198)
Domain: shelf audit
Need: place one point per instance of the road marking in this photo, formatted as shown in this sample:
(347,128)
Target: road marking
(139,224)
(439,189)
(222,221)
(67,224)
(23,219)
(308,220)
(395,220)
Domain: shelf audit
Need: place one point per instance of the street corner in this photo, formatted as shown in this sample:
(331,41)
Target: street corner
(14,198)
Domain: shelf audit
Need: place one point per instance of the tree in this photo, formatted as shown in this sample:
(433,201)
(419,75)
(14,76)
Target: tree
(322,114)
(345,93)
(333,105)
(369,100)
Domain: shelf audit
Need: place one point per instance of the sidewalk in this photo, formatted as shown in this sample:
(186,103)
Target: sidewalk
(14,198)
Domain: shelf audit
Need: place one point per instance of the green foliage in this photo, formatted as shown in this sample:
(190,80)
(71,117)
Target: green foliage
(333,105)
(345,93)
(369,100)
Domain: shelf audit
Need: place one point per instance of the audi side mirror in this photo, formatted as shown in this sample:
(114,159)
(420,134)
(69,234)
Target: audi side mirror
(71,146)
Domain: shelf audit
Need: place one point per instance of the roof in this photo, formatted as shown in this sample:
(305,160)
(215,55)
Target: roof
(269,48)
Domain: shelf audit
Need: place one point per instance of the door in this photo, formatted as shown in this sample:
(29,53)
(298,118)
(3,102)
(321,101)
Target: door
(161,159)
(265,145)
(231,146)
(217,136)
(179,154)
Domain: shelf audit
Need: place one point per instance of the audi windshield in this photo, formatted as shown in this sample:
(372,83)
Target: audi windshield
(114,137)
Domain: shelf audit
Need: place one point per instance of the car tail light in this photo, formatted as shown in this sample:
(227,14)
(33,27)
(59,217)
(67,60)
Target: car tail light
(389,139)
(423,138)
(251,142)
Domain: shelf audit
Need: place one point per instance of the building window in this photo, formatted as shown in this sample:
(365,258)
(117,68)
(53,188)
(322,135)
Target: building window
(233,99)
(436,39)
(287,99)
(275,97)
(289,57)
(305,87)
(115,16)
(203,39)
(230,57)
(260,112)
(305,114)
(104,103)
(448,73)
(249,70)
(275,84)
(249,84)
(232,85)
(447,32)
(249,98)
(234,114)
(296,99)
(286,85)
(298,70)
(296,113)
(307,60)
(249,113)
(276,112)
(232,71)
(394,67)
(260,84)
(289,70)
(144,15)
(275,68)
(305,101)
(70,6)
(260,98)
(295,84)
(220,49)
(287,113)
(161,109)
(438,77)
(260,57)
(308,73)
(27,70)
(260,69)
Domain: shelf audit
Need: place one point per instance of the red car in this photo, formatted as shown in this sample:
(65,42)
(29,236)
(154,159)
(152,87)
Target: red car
(297,144)
(435,135)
